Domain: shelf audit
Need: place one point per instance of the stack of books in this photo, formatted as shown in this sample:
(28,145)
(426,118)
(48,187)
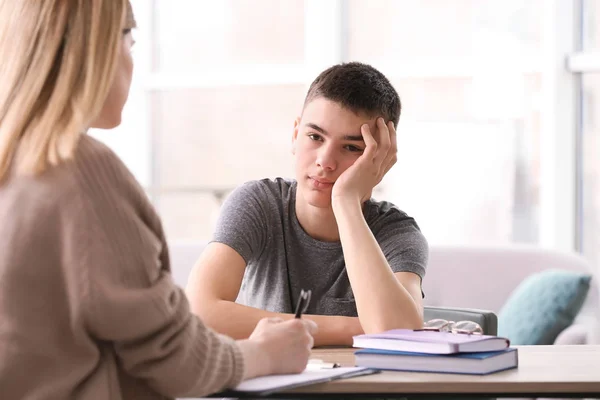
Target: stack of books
(432,351)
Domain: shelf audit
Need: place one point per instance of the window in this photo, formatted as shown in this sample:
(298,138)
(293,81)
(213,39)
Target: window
(590,168)
(219,83)
(468,73)
(588,63)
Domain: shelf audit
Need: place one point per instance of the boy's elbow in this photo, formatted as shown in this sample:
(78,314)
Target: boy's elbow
(206,308)
(415,322)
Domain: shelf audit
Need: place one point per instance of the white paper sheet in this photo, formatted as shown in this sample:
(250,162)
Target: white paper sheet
(309,376)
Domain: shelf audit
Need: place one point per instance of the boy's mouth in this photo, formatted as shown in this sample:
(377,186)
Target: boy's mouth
(320,183)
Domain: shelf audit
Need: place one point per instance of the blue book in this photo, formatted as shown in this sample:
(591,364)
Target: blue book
(481,363)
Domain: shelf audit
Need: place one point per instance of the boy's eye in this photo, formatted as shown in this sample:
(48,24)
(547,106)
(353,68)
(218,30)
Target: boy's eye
(314,136)
(352,148)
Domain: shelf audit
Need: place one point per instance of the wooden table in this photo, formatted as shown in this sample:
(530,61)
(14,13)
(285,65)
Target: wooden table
(544,371)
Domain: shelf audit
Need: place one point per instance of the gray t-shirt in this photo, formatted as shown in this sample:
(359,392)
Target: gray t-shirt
(258,220)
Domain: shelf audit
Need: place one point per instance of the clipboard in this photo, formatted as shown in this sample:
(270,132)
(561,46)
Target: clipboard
(266,385)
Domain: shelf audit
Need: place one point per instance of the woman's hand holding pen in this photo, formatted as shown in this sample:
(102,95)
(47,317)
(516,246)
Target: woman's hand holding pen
(278,347)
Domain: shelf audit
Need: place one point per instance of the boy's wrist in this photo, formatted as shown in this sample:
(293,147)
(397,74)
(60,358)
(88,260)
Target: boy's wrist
(348,214)
(341,204)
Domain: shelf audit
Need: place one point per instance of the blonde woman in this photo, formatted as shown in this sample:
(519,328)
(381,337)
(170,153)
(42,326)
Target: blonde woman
(88,309)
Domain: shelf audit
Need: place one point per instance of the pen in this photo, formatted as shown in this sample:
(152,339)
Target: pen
(303,302)
(316,363)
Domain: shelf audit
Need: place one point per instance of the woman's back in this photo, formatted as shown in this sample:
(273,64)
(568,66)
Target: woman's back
(83,277)
(88,308)
(42,332)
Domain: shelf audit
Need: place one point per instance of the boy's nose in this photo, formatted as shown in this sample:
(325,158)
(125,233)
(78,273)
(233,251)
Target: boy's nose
(326,159)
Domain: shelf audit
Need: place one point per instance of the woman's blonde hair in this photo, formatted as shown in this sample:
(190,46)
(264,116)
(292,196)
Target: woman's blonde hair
(58,59)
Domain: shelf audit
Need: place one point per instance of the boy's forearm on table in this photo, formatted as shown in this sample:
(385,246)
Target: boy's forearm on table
(238,321)
(335,330)
(232,319)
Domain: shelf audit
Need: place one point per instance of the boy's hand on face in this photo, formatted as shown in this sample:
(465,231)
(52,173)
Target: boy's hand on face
(380,154)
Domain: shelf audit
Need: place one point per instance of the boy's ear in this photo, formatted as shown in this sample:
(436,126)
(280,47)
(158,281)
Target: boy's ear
(295,134)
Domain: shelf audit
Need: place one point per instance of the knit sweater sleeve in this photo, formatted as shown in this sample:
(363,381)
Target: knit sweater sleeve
(129,298)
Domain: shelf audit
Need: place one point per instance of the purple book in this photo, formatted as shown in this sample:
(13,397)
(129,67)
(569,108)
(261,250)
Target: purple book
(430,342)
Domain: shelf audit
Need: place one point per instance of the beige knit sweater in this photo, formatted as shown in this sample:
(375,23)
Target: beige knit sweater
(88,309)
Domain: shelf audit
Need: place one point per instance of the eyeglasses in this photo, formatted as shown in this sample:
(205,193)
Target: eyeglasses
(442,325)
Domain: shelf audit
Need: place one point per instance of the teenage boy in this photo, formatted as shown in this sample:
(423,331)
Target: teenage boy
(362,259)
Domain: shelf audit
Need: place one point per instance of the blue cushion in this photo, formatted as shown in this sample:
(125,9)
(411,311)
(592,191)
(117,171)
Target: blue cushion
(542,306)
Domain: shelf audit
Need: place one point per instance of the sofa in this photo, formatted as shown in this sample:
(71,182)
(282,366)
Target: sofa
(487,277)
(468,283)
(471,282)
(184,255)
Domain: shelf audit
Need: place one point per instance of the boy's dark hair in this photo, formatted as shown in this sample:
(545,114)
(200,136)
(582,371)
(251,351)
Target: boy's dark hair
(358,87)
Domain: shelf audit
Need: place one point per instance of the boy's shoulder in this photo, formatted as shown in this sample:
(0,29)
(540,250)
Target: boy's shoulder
(385,214)
(384,208)
(270,188)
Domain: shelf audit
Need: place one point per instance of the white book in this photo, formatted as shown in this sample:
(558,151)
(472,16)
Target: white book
(420,341)
(266,385)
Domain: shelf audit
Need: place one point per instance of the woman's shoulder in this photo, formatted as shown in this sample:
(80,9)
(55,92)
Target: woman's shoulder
(93,180)
(96,163)
(95,177)
(93,156)
(104,182)
(91,162)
